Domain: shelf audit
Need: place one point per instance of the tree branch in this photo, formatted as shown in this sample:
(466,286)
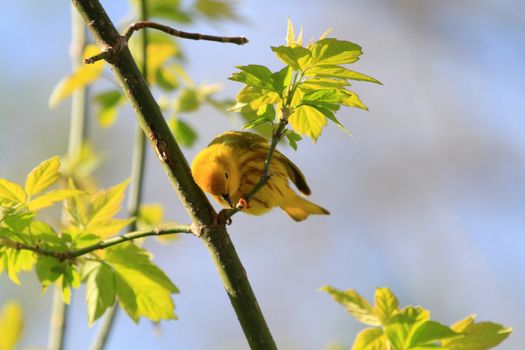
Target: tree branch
(204,217)
(72,254)
(239,40)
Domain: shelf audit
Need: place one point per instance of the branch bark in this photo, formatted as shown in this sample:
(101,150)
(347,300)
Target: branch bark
(204,217)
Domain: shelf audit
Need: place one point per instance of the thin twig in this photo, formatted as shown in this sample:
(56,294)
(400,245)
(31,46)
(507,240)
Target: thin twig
(75,253)
(239,40)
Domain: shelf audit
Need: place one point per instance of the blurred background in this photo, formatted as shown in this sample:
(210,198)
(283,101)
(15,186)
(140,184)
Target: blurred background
(427,197)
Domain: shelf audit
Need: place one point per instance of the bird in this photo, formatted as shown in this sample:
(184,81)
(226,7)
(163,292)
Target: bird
(232,164)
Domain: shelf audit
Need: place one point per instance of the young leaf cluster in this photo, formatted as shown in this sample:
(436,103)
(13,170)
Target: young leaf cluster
(308,91)
(411,328)
(67,256)
(165,71)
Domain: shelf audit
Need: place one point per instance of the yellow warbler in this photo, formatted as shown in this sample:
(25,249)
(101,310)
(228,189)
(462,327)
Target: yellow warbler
(231,166)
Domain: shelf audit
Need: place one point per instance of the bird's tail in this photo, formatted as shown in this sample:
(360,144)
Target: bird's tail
(299,208)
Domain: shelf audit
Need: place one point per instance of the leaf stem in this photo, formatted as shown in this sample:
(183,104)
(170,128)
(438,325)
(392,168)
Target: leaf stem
(72,254)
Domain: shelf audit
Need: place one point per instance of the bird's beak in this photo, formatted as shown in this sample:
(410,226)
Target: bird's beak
(227,199)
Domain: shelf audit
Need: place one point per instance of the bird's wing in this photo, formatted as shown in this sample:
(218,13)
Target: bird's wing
(257,143)
(294,173)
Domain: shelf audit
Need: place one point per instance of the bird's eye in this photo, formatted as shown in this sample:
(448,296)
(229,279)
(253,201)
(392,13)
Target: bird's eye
(226,175)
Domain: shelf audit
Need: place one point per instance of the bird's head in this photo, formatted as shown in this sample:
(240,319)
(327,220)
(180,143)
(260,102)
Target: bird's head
(217,173)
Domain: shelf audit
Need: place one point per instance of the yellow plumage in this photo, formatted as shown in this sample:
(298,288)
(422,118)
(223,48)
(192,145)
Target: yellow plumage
(232,165)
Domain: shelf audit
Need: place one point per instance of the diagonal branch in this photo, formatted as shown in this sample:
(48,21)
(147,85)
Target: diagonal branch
(205,224)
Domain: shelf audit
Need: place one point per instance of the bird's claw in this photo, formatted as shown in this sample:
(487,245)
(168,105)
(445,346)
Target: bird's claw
(222,219)
(243,202)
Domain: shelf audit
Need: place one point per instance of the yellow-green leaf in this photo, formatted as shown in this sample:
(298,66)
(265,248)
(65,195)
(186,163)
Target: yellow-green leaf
(11,325)
(50,198)
(105,204)
(331,71)
(463,324)
(82,77)
(109,228)
(150,215)
(11,193)
(355,304)
(100,288)
(142,288)
(297,57)
(386,304)
(158,54)
(306,120)
(480,336)
(330,51)
(43,175)
(370,339)
(290,36)
(108,103)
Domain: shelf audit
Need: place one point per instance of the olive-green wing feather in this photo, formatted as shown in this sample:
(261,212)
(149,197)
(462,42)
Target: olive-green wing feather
(257,143)
(294,173)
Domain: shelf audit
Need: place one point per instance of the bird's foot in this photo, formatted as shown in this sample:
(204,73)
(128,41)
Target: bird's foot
(243,202)
(222,218)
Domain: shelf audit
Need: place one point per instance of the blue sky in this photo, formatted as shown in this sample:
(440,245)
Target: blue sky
(426,198)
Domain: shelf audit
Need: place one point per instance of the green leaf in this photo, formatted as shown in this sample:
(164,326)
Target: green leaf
(334,96)
(183,132)
(48,270)
(323,108)
(166,79)
(290,36)
(104,205)
(355,304)
(50,198)
(430,332)
(76,208)
(464,324)
(167,9)
(307,120)
(217,9)
(100,288)
(323,83)
(282,80)
(293,138)
(331,51)
(332,71)
(254,75)
(107,106)
(188,100)
(11,193)
(150,215)
(298,57)
(11,325)
(17,261)
(403,323)
(386,304)
(42,176)
(480,336)
(108,228)
(18,221)
(370,339)
(70,279)
(83,76)
(142,288)
(46,235)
